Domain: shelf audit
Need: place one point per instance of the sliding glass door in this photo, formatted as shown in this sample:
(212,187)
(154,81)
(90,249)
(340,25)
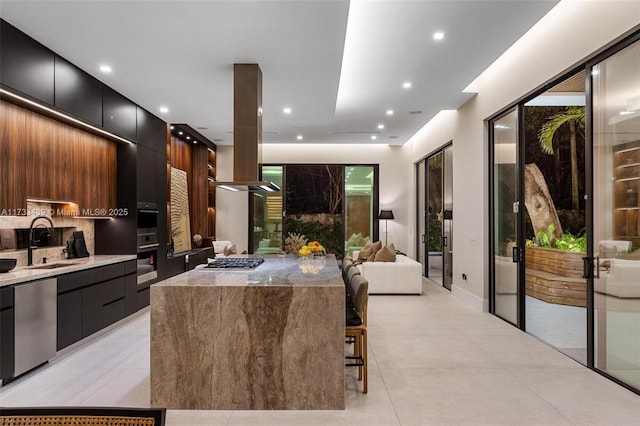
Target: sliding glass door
(565,219)
(435,215)
(506,206)
(616,214)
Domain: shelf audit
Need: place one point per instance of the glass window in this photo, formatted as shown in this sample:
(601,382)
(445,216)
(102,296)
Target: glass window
(359,202)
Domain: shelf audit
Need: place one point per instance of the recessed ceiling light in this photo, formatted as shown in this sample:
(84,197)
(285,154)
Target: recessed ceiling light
(287,110)
(194,142)
(299,137)
(105,69)
(406,84)
(164,109)
(188,137)
(380,126)
(389,112)
(171,127)
(438,35)
(179,133)
(374,137)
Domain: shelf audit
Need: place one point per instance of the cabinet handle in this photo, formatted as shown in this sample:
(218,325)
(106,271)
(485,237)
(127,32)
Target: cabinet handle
(149,245)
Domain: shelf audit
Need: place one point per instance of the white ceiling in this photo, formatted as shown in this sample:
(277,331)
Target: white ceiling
(180,54)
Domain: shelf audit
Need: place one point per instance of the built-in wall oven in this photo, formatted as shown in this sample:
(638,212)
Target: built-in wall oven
(147,242)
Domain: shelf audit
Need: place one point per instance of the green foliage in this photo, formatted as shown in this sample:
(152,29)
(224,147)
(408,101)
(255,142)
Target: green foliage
(567,242)
(573,243)
(330,236)
(435,235)
(544,239)
(549,128)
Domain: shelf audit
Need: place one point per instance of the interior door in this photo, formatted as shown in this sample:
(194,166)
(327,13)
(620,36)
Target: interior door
(435,236)
(421,216)
(447,218)
(506,239)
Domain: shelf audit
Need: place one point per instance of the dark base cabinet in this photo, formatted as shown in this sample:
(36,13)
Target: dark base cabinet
(143,298)
(7,345)
(93,299)
(69,318)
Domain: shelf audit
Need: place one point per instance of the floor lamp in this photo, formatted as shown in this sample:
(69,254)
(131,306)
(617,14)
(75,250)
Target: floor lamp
(386,215)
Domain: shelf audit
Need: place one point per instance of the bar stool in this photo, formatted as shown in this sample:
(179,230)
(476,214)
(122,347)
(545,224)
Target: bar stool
(360,289)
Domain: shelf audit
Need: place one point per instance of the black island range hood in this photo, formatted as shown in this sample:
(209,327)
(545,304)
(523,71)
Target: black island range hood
(247,131)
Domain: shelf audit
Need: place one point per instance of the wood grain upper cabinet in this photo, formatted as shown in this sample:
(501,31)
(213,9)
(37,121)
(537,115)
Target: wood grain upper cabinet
(118,114)
(77,92)
(151,131)
(25,64)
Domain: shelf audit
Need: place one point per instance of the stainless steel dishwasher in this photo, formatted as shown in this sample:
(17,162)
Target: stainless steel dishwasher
(35,313)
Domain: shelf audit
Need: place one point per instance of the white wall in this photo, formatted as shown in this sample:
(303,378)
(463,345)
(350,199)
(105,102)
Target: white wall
(563,38)
(232,208)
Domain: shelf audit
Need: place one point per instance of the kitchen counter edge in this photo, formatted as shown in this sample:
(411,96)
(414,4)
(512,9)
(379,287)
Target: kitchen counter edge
(25,274)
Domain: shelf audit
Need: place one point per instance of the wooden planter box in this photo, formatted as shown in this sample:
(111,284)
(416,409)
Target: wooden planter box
(555,276)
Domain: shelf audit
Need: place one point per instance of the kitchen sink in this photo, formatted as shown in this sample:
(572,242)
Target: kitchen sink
(53,265)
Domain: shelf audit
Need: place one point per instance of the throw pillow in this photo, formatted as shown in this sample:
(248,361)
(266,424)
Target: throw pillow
(365,253)
(385,255)
(392,248)
(229,250)
(375,248)
(634,255)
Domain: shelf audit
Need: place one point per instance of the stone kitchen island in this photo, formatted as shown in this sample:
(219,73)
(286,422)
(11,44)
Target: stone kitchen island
(269,338)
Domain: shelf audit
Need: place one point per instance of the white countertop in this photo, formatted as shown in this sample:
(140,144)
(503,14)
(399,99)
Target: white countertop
(30,273)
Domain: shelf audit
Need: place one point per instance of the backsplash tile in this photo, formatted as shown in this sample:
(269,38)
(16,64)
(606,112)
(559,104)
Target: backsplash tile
(51,253)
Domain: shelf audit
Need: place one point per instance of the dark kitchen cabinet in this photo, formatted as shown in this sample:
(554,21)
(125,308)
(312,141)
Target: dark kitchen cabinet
(93,299)
(199,257)
(144,298)
(77,92)
(146,180)
(152,176)
(131,294)
(26,65)
(69,318)
(118,114)
(91,309)
(7,345)
(151,131)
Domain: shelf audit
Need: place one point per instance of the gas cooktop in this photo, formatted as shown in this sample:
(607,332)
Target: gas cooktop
(235,263)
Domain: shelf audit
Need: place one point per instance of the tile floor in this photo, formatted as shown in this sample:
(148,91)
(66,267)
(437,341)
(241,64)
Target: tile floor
(433,361)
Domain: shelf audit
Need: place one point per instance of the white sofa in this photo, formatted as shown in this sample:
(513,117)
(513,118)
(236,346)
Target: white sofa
(404,276)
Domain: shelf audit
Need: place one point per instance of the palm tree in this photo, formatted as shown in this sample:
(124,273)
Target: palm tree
(574,116)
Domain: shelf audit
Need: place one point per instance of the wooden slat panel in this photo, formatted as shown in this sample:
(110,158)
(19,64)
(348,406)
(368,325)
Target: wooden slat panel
(556,289)
(199,191)
(554,261)
(12,152)
(51,160)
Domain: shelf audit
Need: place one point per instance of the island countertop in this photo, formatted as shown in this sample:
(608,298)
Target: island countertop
(271,338)
(275,271)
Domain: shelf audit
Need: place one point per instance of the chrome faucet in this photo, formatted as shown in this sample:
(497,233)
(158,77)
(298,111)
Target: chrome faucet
(31,246)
